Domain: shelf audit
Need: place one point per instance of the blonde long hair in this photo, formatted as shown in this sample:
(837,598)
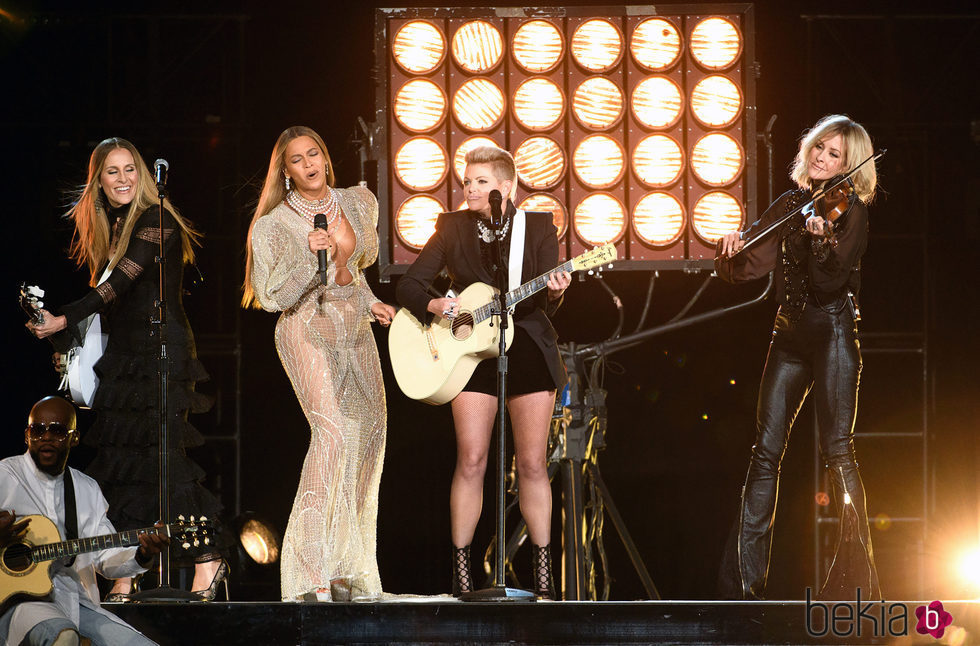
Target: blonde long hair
(91,241)
(274,192)
(857,147)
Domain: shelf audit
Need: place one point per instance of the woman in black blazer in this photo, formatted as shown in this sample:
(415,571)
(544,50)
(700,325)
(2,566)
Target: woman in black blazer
(462,245)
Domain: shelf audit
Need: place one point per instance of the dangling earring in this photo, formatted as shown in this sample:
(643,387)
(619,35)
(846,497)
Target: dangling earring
(287,182)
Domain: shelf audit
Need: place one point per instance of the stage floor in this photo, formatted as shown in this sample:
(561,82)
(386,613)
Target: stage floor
(642,622)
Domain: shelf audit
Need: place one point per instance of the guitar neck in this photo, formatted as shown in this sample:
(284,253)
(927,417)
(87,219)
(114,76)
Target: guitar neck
(528,289)
(75,546)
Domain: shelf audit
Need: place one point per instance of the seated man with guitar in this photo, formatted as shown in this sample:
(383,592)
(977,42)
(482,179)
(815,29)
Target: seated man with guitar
(62,597)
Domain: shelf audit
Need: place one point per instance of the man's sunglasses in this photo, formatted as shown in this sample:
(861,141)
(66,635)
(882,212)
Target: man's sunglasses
(59,431)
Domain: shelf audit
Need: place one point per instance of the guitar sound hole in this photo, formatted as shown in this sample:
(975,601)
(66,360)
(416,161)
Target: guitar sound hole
(17,557)
(462,326)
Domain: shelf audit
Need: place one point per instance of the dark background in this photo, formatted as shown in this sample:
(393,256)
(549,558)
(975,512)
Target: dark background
(210,88)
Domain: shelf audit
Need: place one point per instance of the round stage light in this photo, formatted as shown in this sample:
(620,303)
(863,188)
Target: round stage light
(459,160)
(599,219)
(717,159)
(655,44)
(716,43)
(478,105)
(658,219)
(599,161)
(545,202)
(716,214)
(540,162)
(259,540)
(477,46)
(418,47)
(538,104)
(658,160)
(656,102)
(597,103)
(420,105)
(597,45)
(538,46)
(716,101)
(421,163)
(415,220)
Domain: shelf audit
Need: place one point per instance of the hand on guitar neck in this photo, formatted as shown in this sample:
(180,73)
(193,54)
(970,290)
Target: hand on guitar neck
(49,325)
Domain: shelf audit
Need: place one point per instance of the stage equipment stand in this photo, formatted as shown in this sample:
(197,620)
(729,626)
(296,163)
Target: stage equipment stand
(499,590)
(163,592)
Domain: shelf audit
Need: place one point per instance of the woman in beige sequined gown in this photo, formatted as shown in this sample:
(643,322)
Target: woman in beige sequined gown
(327,348)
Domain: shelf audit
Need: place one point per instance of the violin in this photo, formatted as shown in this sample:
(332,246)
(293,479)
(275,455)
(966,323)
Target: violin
(832,205)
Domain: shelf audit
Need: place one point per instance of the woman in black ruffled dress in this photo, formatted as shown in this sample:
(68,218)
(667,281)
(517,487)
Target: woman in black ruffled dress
(117,235)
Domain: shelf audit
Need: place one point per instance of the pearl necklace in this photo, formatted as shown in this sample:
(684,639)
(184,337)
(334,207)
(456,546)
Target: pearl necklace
(329,205)
(489,235)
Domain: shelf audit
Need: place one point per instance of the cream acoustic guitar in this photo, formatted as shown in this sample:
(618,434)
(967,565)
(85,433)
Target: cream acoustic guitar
(25,564)
(433,363)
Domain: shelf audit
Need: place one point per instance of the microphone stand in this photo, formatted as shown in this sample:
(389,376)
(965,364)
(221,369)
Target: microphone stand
(499,590)
(163,591)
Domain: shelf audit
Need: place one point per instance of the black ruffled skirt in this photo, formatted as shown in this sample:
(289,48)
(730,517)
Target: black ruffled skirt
(126,437)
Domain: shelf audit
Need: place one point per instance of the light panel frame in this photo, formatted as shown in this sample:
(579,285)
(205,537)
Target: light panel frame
(687,253)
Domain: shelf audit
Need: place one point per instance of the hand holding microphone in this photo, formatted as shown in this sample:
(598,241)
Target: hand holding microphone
(320,224)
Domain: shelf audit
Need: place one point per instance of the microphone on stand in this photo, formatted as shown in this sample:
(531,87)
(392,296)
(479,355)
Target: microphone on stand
(160,168)
(496,214)
(320,222)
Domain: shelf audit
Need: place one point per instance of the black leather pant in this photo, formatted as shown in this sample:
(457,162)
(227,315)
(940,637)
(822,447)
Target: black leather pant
(819,353)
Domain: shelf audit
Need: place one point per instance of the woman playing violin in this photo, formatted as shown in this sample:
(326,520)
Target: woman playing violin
(816,256)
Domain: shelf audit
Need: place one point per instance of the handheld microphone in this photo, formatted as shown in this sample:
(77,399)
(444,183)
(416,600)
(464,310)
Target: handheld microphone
(496,214)
(160,168)
(320,222)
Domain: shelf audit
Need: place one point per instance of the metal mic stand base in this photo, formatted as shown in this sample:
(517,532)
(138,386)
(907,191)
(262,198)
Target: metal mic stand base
(501,593)
(165,594)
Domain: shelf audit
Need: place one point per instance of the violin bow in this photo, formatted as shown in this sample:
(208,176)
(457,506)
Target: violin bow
(777,223)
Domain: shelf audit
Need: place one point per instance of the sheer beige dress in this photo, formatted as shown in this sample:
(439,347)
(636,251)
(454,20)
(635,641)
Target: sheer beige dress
(326,345)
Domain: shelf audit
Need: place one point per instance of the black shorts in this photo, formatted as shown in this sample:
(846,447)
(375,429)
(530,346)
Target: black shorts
(527,371)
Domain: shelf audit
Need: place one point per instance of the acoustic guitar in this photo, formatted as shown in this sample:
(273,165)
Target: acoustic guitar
(432,363)
(25,565)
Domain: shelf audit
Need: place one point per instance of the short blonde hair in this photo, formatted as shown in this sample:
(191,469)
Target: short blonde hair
(501,164)
(857,147)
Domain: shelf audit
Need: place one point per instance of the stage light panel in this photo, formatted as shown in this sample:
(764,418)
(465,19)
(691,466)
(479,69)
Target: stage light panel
(716,101)
(597,45)
(658,160)
(598,103)
(656,102)
(545,202)
(717,159)
(478,105)
(420,105)
(538,104)
(658,219)
(715,43)
(477,46)
(655,44)
(599,219)
(421,163)
(418,47)
(540,162)
(459,160)
(716,214)
(415,220)
(599,161)
(538,46)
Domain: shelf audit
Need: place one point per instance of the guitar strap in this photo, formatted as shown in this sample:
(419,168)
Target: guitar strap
(71,514)
(515,264)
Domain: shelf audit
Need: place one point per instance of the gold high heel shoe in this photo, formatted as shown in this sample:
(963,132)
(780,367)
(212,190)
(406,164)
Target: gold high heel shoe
(220,576)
